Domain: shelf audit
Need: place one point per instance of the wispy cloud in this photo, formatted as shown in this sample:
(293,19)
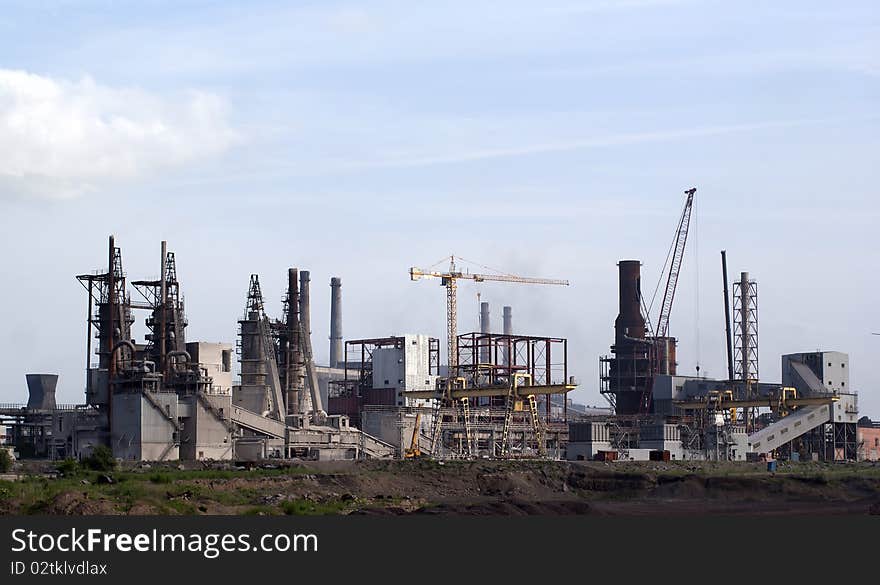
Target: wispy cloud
(620,139)
(61,138)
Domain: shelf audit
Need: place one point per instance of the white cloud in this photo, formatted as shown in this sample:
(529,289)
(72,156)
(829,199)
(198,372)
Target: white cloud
(60,138)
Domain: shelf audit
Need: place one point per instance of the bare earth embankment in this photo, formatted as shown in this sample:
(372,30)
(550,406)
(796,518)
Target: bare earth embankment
(466,487)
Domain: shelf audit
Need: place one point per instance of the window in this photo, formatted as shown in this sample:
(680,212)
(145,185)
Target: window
(842,365)
(843,383)
(876,442)
(226,359)
(829,364)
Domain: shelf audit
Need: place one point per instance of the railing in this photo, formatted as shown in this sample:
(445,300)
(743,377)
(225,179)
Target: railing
(14,406)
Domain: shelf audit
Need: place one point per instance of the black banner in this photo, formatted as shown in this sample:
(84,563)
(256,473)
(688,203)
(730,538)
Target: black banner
(344,547)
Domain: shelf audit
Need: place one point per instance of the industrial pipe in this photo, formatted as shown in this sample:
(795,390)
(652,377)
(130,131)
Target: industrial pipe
(172,354)
(119,344)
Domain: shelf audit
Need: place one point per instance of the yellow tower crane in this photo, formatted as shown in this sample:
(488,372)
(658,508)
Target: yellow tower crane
(448,279)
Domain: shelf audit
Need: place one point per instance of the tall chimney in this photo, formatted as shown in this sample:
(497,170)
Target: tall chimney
(727,318)
(163,309)
(293,375)
(484,329)
(304,304)
(305,319)
(507,316)
(335,321)
(630,322)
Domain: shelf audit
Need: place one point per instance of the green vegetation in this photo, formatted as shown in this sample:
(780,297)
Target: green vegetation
(68,467)
(101,459)
(5,461)
(163,488)
(95,485)
(309,508)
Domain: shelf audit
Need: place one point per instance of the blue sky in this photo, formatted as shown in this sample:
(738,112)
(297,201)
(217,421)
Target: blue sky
(358,139)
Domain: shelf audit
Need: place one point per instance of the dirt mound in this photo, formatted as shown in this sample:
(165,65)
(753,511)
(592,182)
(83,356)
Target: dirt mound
(79,504)
(687,486)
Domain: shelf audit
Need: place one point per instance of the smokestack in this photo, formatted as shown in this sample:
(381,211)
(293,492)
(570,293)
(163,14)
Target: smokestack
(41,390)
(163,309)
(507,317)
(727,318)
(630,322)
(484,328)
(304,304)
(335,321)
(293,358)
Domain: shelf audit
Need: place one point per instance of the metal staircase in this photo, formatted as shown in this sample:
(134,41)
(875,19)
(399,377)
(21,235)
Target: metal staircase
(203,400)
(167,450)
(155,404)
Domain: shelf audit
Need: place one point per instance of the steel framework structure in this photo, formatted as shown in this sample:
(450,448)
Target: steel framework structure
(745,346)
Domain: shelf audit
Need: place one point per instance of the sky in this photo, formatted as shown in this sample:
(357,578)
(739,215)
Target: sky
(358,139)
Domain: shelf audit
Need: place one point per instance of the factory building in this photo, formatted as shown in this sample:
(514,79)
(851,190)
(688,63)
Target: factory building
(811,414)
(499,395)
(168,398)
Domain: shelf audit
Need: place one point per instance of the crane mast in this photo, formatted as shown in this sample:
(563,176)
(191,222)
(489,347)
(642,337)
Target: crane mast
(449,280)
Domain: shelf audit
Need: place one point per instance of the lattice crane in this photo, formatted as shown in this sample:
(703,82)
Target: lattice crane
(449,280)
(681,235)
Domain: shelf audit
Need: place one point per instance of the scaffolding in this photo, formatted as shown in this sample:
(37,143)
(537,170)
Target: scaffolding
(490,404)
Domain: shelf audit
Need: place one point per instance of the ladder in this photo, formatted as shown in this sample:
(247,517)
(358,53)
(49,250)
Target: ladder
(508,418)
(436,425)
(536,424)
(466,413)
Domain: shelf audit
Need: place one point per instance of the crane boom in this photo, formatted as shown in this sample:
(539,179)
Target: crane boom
(418,273)
(675,266)
(449,280)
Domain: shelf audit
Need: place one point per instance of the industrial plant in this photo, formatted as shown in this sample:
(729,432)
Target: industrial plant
(495,394)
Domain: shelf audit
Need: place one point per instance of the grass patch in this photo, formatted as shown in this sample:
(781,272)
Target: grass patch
(310,508)
(160,478)
(261,511)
